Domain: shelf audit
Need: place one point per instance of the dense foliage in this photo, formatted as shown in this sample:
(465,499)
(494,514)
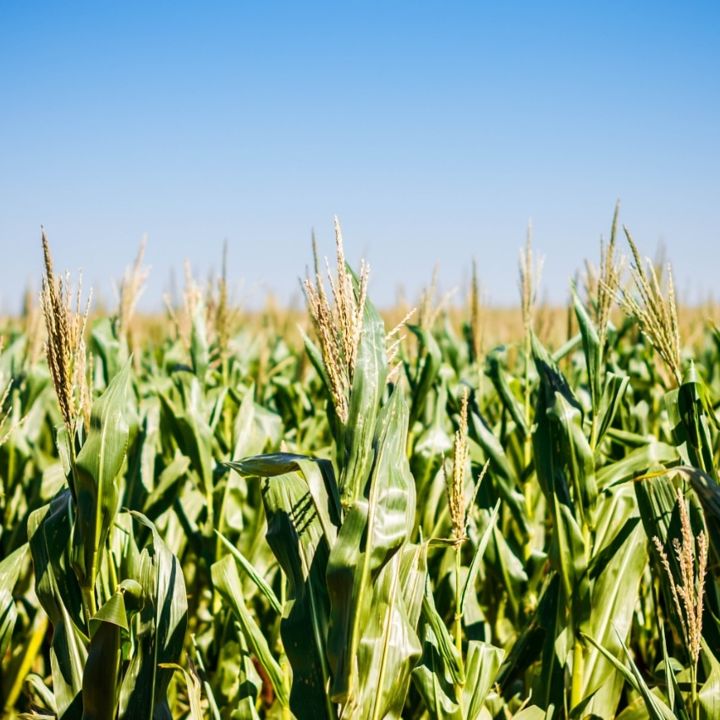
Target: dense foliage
(221,524)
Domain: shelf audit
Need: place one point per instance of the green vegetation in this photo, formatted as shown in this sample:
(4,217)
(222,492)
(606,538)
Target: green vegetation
(211,520)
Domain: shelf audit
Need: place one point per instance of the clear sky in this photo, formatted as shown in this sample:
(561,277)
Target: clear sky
(435,130)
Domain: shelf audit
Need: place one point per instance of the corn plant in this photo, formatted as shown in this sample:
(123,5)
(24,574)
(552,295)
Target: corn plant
(213,513)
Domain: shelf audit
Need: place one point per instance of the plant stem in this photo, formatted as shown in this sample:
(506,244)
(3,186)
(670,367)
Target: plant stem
(458,608)
(577,673)
(693,691)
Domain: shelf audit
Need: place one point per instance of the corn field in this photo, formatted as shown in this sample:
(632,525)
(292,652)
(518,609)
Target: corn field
(380,519)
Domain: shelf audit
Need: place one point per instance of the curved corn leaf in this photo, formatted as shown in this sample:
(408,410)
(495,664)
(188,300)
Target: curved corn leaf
(650,455)
(100,677)
(192,683)
(318,474)
(302,507)
(59,593)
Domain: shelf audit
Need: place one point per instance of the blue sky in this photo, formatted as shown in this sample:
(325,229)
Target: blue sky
(435,130)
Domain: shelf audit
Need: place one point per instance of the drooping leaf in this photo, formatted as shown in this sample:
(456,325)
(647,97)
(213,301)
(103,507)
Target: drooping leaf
(302,507)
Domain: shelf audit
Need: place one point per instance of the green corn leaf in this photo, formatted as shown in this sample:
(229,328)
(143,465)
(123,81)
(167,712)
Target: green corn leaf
(570,551)
(96,477)
(389,645)
(189,426)
(199,347)
(656,708)
(501,472)
(192,684)
(8,618)
(494,370)
(105,344)
(622,558)
(318,474)
(576,455)
(227,581)
(686,407)
(429,678)
(478,555)
(547,441)
(615,386)
(592,350)
(100,676)
(481,668)
(257,579)
(161,630)
(709,693)
(10,568)
(649,456)
(441,638)
(365,396)
(431,444)
(538,640)
(162,495)
(254,427)
(533,712)
(429,361)
(549,685)
(440,671)
(302,505)
(373,530)
(245,706)
(59,593)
